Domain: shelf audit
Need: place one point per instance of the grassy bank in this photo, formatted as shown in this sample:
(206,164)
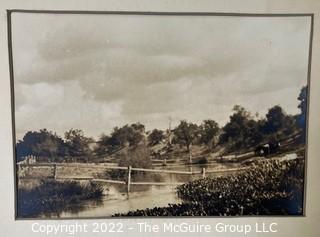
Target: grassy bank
(268,188)
(54,196)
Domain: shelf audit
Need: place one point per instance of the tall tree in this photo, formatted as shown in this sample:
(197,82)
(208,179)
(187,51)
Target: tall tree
(276,119)
(138,127)
(235,129)
(242,130)
(130,135)
(77,143)
(303,104)
(209,130)
(186,133)
(41,143)
(155,137)
(103,145)
(302,117)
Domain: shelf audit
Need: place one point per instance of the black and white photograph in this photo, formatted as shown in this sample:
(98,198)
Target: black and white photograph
(141,114)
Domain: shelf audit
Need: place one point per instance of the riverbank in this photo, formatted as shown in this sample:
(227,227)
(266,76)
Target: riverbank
(271,187)
(54,196)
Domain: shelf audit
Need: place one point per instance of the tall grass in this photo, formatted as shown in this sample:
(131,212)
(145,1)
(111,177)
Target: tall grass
(54,196)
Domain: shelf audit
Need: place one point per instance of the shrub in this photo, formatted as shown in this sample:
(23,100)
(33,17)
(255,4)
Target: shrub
(137,157)
(268,188)
(271,187)
(54,196)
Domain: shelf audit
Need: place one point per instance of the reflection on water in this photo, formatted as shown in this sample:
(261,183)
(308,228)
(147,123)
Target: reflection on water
(117,202)
(116,199)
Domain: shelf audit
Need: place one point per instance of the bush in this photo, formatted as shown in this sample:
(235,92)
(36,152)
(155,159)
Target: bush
(268,188)
(54,196)
(137,157)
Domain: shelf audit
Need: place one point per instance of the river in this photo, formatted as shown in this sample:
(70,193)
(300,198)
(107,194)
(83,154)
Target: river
(115,198)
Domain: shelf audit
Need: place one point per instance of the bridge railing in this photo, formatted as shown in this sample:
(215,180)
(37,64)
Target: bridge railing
(129,170)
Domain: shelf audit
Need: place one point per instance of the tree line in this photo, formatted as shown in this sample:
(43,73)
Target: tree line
(243,131)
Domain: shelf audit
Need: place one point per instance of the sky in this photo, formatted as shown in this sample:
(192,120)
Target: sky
(95,72)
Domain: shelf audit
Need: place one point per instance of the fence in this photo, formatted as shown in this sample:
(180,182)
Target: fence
(129,170)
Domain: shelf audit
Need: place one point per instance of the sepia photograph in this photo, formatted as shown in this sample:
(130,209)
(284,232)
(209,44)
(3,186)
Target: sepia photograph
(149,114)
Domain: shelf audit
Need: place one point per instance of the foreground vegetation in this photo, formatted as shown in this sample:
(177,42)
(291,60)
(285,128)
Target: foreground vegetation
(268,188)
(54,196)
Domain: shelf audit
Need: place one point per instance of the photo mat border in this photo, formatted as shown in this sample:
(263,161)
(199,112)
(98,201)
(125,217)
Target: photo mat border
(150,13)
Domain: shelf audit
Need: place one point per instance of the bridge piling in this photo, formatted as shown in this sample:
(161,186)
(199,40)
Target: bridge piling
(203,172)
(129,180)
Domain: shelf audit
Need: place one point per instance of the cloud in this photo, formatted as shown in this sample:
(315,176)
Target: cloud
(122,69)
(59,107)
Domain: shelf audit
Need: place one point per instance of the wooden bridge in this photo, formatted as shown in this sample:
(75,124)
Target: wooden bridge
(105,166)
